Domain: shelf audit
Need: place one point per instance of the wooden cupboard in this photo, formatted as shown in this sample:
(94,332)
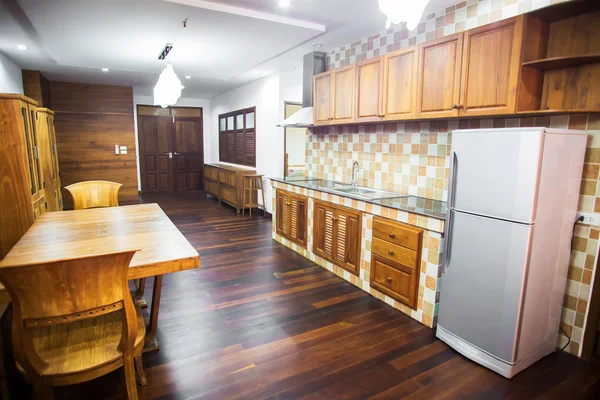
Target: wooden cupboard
(396,260)
(490,68)
(334,96)
(291,219)
(369,90)
(337,235)
(225,182)
(49,159)
(400,84)
(438,88)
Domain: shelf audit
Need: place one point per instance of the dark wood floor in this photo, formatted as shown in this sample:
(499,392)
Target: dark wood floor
(259,321)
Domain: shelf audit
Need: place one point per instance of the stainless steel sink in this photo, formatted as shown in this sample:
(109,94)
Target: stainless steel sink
(367,193)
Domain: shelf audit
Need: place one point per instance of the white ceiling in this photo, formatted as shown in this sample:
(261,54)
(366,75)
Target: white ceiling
(221,48)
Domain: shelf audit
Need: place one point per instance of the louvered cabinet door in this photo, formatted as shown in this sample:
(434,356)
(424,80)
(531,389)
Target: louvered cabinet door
(283,214)
(347,235)
(323,231)
(298,207)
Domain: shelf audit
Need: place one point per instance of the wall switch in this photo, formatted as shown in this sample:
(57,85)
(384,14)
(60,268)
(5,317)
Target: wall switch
(123,149)
(116,149)
(590,219)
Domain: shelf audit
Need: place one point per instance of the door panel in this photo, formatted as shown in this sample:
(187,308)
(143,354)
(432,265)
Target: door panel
(497,172)
(344,81)
(189,154)
(322,98)
(490,68)
(439,77)
(323,231)
(400,84)
(155,135)
(369,89)
(482,283)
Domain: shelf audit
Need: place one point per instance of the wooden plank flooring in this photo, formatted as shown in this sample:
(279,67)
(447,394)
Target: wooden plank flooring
(258,321)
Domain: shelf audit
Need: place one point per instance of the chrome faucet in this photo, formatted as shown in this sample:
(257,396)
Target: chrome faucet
(353,182)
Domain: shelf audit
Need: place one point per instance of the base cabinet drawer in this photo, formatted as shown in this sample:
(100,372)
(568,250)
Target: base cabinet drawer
(211,187)
(211,173)
(400,234)
(398,254)
(227,178)
(395,280)
(227,195)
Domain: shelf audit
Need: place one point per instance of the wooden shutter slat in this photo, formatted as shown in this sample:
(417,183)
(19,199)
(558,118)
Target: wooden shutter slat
(341,238)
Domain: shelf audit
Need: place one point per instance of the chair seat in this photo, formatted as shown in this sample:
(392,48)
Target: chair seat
(81,346)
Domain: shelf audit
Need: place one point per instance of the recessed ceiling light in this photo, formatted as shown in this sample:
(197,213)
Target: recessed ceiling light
(188,77)
(284,3)
(21,47)
(317,45)
(254,72)
(105,70)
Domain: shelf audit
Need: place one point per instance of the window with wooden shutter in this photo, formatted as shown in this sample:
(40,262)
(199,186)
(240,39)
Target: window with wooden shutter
(237,137)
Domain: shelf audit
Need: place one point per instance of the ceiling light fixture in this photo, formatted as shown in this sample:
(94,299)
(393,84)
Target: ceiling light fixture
(21,47)
(317,45)
(188,77)
(168,88)
(105,70)
(397,11)
(284,3)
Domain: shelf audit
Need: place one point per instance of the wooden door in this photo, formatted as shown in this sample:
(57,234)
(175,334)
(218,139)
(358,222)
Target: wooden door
(438,90)
(323,231)
(298,218)
(156,148)
(490,68)
(400,84)
(369,89)
(347,234)
(282,222)
(344,83)
(188,150)
(322,91)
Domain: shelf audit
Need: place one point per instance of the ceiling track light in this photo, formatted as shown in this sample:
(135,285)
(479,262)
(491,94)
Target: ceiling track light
(165,52)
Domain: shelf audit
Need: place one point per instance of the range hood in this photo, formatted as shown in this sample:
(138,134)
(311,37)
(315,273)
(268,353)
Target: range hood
(313,63)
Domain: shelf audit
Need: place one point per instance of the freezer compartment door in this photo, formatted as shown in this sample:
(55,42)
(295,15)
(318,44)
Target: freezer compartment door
(496,172)
(482,283)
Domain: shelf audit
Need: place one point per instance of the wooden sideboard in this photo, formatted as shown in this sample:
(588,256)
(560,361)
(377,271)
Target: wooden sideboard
(546,61)
(226,183)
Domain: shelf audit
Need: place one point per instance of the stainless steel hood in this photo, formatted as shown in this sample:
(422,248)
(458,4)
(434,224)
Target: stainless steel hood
(313,63)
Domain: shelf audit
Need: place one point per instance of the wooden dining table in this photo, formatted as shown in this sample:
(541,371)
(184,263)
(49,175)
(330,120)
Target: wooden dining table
(70,234)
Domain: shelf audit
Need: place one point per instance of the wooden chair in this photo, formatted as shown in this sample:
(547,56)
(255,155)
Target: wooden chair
(74,320)
(94,194)
(253,183)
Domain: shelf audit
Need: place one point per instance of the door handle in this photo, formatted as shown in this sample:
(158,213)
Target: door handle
(450,207)
(170,155)
(177,154)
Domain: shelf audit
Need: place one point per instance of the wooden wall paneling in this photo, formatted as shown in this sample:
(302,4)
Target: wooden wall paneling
(36,87)
(344,93)
(16,215)
(438,90)
(369,90)
(323,102)
(400,84)
(89,121)
(490,68)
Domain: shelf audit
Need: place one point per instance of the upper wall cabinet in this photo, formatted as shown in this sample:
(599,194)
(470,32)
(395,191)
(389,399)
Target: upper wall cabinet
(369,90)
(490,68)
(400,84)
(322,98)
(438,90)
(334,94)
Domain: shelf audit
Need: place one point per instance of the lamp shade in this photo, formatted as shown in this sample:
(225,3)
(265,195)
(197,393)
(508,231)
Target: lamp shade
(168,88)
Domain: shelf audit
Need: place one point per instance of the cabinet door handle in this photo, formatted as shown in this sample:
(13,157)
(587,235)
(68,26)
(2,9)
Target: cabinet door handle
(389,279)
(392,235)
(334,218)
(390,252)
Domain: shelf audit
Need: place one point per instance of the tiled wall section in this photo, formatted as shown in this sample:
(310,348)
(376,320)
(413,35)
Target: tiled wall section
(429,277)
(412,158)
(457,18)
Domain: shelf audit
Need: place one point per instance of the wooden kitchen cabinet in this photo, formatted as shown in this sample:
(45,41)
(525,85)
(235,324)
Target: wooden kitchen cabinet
(438,88)
(49,159)
(337,235)
(291,219)
(322,88)
(369,90)
(396,260)
(490,68)
(400,84)
(334,96)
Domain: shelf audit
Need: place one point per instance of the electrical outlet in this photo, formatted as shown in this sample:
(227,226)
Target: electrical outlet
(590,219)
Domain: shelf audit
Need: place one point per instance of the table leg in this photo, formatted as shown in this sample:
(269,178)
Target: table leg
(150,342)
(138,295)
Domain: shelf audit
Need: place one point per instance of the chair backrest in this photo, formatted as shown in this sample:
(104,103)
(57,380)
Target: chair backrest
(65,291)
(94,194)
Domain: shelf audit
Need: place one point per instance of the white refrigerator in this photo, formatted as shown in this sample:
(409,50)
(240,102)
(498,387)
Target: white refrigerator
(512,204)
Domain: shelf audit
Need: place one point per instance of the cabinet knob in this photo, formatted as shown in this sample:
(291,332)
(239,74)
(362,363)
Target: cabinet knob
(334,218)
(389,279)
(392,235)
(390,252)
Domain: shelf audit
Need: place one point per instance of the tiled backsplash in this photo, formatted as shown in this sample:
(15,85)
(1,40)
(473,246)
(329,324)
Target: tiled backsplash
(457,18)
(412,158)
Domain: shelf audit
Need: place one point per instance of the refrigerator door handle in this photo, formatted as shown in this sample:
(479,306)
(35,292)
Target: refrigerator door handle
(449,206)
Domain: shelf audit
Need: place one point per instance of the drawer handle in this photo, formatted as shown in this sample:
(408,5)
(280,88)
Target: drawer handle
(392,235)
(389,279)
(334,218)
(390,252)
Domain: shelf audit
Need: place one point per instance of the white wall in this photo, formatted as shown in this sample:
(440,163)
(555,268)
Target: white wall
(267,95)
(139,99)
(11,80)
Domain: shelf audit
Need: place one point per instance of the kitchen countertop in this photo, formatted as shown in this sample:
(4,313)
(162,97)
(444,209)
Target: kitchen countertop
(413,204)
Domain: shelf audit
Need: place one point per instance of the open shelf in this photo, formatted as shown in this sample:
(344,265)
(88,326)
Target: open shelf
(563,62)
